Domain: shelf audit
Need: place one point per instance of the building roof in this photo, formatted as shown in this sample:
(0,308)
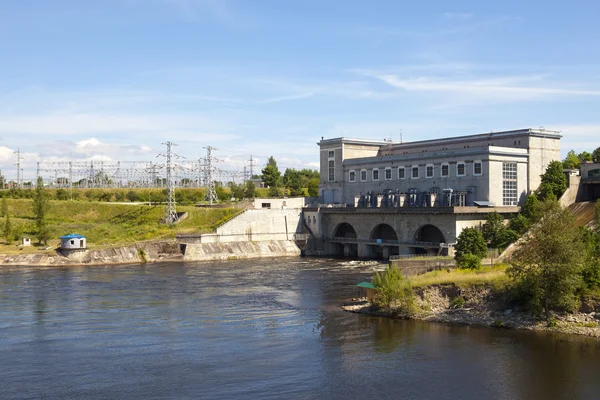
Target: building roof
(366,285)
(73,236)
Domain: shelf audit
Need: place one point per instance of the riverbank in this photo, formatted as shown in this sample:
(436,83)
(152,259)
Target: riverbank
(154,251)
(480,305)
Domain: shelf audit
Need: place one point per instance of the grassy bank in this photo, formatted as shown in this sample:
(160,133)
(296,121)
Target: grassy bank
(107,224)
(493,276)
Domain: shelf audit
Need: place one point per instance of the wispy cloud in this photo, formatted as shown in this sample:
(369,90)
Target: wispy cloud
(501,88)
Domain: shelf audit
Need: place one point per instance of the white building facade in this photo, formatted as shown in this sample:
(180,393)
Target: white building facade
(496,169)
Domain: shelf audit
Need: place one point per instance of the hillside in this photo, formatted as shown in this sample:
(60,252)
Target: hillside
(110,223)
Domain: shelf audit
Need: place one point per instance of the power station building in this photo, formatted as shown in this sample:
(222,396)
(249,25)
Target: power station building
(379,198)
(498,168)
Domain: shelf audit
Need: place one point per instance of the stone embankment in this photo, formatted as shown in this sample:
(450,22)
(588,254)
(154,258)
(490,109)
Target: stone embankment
(479,306)
(158,251)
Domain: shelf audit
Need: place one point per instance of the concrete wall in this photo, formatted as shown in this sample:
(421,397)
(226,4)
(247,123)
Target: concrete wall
(239,250)
(260,225)
(570,195)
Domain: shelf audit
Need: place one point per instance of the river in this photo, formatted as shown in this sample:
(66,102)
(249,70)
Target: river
(257,329)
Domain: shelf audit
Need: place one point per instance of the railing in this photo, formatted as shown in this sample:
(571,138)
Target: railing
(414,243)
(406,256)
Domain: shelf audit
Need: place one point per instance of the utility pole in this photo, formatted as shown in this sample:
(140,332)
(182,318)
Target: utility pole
(211,193)
(170,211)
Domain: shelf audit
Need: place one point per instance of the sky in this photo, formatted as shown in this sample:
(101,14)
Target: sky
(114,79)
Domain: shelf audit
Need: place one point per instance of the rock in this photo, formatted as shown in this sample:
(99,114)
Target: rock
(507,312)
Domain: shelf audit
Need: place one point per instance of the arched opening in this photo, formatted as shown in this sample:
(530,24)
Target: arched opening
(345,230)
(431,234)
(384,233)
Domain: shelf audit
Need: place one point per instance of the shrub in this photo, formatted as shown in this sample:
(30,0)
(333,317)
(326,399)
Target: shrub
(458,302)
(519,223)
(469,261)
(132,196)
(393,291)
(61,194)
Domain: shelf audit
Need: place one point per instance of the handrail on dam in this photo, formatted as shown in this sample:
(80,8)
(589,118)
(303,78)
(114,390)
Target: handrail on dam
(414,243)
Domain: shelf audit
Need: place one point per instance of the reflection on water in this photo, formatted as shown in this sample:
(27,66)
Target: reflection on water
(257,329)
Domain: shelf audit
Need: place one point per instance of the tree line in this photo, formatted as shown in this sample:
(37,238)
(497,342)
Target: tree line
(293,181)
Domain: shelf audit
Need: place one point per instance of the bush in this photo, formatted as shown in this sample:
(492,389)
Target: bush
(458,302)
(393,291)
(61,194)
(132,196)
(519,223)
(469,261)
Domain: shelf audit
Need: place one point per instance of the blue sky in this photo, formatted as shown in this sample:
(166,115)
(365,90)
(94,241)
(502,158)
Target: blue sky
(113,79)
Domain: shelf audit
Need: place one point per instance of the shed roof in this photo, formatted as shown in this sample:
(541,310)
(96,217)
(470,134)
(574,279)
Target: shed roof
(73,236)
(366,285)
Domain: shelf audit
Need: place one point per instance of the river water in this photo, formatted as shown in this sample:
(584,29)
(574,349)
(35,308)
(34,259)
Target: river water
(257,329)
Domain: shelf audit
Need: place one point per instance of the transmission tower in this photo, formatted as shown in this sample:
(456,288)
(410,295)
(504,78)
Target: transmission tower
(170,211)
(252,164)
(211,193)
(18,164)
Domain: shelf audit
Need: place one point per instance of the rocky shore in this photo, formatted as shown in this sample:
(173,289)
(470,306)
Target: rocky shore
(480,306)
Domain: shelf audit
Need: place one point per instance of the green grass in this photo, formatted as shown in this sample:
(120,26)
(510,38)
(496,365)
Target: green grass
(107,224)
(495,276)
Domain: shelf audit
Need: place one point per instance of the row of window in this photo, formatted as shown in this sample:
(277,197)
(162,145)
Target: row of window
(414,172)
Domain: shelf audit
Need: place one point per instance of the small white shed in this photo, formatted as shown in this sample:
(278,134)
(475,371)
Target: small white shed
(72,241)
(25,241)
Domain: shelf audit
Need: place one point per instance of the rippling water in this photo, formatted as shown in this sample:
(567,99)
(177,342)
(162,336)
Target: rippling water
(257,329)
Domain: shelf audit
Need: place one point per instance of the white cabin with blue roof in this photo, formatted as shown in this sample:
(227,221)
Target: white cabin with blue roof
(73,241)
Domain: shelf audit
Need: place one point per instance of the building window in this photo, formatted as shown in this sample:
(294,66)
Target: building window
(388,174)
(445,169)
(477,168)
(363,175)
(352,176)
(331,170)
(331,154)
(415,172)
(72,242)
(460,169)
(375,175)
(509,184)
(401,173)
(429,171)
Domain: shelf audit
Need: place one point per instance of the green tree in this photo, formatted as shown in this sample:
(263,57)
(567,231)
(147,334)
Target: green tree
(393,291)
(7,229)
(313,187)
(553,181)
(548,264)
(249,190)
(571,161)
(519,223)
(4,207)
(271,175)
(492,228)
(596,155)
(470,241)
(585,156)
(237,190)
(292,181)
(40,210)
